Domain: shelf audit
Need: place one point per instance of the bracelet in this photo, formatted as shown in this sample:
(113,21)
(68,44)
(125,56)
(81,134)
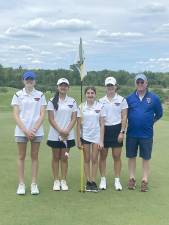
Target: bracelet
(35,129)
(122,131)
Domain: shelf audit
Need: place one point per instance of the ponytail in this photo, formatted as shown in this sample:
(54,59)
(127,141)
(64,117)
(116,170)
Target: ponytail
(55,100)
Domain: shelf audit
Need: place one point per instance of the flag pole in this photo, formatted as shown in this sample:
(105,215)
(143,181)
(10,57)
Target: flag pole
(82,149)
(79,66)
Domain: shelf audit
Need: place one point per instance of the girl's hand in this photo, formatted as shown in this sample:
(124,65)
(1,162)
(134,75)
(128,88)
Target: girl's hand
(120,137)
(100,146)
(33,133)
(29,135)
(64,133)
(79,145)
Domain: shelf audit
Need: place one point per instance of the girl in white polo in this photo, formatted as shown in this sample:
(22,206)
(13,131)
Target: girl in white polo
(29,111)
(90,132)
(62,113)
(115,123)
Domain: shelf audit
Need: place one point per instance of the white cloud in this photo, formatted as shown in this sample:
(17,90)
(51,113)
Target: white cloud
(2,36)
(118,35)
(62,24)
(30,54)
(45,53)
(21,47)
(158,64)
(3,60)
(101,41)
(6,5)
(163,60)
(29,58)
(62,45)
(154,7)
(36,61)
(164,28)
(20,32)
(115,34)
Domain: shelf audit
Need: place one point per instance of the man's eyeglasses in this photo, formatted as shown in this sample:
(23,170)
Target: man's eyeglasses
(140,82)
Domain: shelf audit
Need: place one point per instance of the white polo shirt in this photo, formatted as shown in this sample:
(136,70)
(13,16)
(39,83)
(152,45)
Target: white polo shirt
(29,109)
(62,116)
(113,109)
(90,130)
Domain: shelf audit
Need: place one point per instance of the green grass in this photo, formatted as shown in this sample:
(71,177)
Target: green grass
(69,208)
(73,208)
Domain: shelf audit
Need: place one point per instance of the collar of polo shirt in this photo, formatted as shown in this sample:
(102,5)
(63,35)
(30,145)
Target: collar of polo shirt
(92,106)
(114,98)
(61,100)
(25,93)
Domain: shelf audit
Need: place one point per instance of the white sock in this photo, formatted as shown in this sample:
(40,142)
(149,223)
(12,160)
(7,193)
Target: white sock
(117,179)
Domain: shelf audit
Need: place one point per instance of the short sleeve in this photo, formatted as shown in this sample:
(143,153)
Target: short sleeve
(75,108)
(79,111)
(124,104)
(50,106)
(43,100)
(15,100)
(103,112)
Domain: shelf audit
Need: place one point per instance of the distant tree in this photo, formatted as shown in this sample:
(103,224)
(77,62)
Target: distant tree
(160,93)
(47,79)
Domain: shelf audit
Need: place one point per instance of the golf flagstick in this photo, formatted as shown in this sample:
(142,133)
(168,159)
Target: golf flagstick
(81,152)
(79,66)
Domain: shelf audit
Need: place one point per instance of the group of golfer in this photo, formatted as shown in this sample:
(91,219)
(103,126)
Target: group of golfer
(100,125)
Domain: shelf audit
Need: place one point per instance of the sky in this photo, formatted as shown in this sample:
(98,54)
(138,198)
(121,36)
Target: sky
(127,35)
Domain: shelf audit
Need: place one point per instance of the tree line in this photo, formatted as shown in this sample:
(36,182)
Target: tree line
(47,79)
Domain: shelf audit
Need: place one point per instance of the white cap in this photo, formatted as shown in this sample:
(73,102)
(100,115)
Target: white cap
(62,80)
(140,76)
(110,80)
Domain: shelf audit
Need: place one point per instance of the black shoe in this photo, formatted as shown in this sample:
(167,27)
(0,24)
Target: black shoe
(88,186)
(94,187)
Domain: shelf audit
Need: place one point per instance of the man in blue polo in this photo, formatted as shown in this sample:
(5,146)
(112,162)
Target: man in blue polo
(144,109)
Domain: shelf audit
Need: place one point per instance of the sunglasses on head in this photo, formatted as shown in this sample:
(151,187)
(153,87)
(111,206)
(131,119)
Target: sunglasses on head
(140,82)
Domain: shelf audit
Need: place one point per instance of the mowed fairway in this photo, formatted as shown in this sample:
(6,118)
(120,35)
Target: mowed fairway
(73,208)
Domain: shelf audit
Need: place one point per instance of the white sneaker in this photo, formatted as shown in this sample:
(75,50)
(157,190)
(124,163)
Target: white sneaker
(102,185)
(117,184)
(64,186)
(21,189)
(56,185)
(34,189)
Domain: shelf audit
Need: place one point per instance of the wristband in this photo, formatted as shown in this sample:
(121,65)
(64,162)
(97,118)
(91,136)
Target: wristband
(122,131)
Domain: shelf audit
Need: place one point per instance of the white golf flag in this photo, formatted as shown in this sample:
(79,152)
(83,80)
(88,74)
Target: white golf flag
(80,61)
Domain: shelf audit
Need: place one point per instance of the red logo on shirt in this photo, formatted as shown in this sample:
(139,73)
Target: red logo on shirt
(37,99)
(97,110)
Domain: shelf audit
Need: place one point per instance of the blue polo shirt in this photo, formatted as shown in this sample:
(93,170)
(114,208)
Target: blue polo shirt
(142,114)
